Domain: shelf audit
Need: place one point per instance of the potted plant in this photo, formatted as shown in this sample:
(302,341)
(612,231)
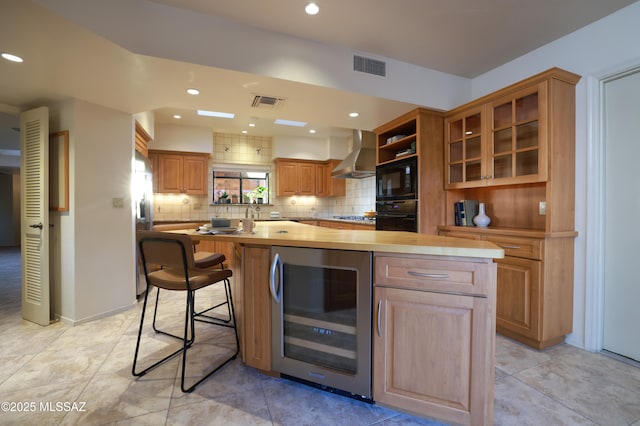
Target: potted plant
(223,197)
(258,191)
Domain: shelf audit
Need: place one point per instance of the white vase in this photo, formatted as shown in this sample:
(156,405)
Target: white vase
(482,220)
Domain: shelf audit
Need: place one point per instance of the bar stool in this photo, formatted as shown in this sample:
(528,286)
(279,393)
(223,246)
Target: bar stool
(178,272)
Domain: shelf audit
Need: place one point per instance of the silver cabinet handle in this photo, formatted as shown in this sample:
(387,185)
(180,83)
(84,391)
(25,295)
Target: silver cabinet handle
(507,246)
(423,275)
(379,305)
(276,264)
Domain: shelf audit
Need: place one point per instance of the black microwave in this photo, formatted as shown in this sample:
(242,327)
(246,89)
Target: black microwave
(397,180)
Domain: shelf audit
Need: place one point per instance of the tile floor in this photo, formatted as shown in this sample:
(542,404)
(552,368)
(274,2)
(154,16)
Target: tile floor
(90,365)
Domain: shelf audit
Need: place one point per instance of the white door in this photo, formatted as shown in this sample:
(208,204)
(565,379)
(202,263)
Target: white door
(34,174)
(622,224)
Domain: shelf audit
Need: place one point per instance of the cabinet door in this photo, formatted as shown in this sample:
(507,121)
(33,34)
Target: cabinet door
(431,354)
(153,157)
(170,172)
(464,150)
(195,175)
(517,144)
(518,303)
(337,186)
(256,308)
(227,249)
(335,225)
(306,179)
(322,180)
(287,175)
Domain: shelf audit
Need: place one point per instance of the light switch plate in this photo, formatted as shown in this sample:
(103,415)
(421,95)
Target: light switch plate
(118,203)
(542,208)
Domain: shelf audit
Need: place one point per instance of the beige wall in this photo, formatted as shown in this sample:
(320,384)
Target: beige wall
(93,256)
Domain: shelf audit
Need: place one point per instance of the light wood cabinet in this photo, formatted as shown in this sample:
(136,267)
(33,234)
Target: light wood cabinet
(434,337)
(518,304)
(295,177)
(534,283)
(505,138)
(327,186)
(179,172)
(514,150)
(219,247)
(334,224)
(421,132)
(307,177)
(255,305)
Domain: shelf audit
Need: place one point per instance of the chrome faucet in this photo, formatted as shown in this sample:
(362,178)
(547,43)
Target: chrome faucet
(255,211)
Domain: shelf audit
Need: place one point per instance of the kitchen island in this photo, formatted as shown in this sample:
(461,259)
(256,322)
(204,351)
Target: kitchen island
(433,308)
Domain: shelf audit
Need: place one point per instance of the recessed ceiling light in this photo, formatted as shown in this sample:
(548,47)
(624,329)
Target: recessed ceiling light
(177,116)
(12,58)
(312,9)
(353,114)
(290,123)
(216,114)
(252,124)
(245,132)
(193,91)
(312,131)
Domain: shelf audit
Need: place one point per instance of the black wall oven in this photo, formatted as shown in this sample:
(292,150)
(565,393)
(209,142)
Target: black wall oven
(321,317)
(397,180)
(399,215)
(396,196)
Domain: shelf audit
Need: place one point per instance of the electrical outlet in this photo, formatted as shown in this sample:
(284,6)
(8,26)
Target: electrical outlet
(542,208)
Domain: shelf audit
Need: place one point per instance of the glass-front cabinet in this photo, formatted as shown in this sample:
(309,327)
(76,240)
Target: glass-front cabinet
(463,148)
(518,138)
(498,143)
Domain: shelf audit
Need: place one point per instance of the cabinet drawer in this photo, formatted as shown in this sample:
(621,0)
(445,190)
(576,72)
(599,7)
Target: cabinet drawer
(527,248)
(418,273)
(465,235)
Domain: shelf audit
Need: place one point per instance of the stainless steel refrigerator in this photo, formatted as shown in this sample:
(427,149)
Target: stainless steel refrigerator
(142,193)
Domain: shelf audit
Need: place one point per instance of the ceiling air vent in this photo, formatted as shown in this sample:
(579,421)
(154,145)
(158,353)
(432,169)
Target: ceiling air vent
(369,66)
(262,101)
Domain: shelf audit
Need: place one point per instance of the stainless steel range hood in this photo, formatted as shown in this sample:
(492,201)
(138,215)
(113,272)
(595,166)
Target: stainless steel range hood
(361,162)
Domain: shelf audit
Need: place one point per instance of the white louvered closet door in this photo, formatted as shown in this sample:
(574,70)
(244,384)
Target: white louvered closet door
(34,175)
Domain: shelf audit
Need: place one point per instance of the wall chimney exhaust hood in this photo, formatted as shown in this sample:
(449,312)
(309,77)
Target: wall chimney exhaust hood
(361,162)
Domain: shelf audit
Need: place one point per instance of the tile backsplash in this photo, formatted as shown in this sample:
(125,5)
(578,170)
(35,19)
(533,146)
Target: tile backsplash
(360,197)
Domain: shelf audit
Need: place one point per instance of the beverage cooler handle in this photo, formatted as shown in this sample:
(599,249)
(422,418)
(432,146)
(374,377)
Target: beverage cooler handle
(272,278)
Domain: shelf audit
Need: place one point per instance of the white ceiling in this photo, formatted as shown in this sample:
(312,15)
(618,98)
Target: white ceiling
(461,37)
(63,59)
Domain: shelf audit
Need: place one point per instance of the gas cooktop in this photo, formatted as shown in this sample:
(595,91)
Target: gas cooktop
(355,218)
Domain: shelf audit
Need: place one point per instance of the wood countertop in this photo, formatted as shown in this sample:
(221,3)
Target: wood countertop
(284,233)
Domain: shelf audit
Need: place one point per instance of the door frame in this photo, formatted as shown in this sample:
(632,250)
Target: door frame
(595,218)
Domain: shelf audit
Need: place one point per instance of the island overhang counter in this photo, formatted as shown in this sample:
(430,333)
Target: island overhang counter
(433,321)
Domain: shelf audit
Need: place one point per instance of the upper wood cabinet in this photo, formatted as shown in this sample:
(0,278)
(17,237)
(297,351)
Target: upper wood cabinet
(508,137)
(307,177)
(142,140)
(327,186)
(418,133)
(179,172)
